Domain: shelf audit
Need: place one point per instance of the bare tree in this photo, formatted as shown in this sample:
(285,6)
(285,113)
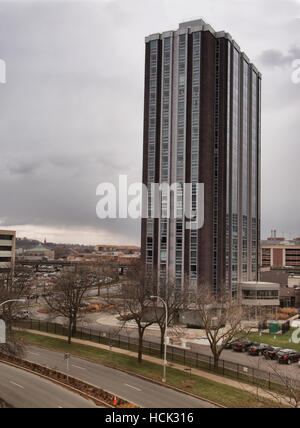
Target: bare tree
(136,305)
(67,297)
(221,318)
(288,387)
(13,287)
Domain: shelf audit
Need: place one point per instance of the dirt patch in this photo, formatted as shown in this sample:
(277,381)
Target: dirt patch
(43,311)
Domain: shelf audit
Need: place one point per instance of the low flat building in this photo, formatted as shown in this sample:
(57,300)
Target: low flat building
(287,297)
(293,281)
(280,253)
(260,299)
(7,250)
(117,249)
(278,276)
(39,253)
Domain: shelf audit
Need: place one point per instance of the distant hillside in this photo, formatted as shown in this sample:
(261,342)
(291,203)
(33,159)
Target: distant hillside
(26,244)
(61,250)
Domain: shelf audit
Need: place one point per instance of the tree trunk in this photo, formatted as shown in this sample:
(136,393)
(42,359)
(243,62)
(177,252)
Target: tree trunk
(70,332)
(162,340)
(74,328)
(140,351)
(216,362)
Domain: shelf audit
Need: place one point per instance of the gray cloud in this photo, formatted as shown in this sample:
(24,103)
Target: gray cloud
(276,58)
(71,113)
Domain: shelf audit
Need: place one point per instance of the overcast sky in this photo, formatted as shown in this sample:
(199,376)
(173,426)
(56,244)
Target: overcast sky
(71,113)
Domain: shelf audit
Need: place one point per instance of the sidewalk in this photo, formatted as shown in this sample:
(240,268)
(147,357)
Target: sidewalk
(196,372)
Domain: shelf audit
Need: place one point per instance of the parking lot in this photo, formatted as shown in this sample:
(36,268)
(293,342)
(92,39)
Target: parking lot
(256,362)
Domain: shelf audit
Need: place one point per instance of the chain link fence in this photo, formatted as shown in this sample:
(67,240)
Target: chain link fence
(175,355)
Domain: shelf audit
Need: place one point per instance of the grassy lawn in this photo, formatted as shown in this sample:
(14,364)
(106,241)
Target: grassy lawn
(219,393)
(280,340)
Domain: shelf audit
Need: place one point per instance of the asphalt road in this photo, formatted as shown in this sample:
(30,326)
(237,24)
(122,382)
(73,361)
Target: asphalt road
(22,389)
(143,393)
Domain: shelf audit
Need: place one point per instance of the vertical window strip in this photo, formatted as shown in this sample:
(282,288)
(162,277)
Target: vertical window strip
(182,75)
(152,144)
(195,153)
(235,171)
(228,268)
(216,168)
(165,153)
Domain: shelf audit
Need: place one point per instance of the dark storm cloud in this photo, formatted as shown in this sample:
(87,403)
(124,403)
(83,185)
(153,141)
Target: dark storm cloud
(276,58)
(71,113)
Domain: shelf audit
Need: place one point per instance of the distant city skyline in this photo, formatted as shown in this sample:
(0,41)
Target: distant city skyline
(71,112)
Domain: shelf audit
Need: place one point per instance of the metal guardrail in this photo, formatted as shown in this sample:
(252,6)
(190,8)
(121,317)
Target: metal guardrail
(186,357)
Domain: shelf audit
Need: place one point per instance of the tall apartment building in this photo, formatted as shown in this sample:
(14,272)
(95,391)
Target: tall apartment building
(7,250)
(202,125)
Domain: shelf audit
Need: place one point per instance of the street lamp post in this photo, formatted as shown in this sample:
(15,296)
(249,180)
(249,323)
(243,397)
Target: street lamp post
(165,337)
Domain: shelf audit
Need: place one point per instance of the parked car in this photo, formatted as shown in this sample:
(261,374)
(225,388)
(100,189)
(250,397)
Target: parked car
(258,349)
(288,356)
(271,353)
(242,345)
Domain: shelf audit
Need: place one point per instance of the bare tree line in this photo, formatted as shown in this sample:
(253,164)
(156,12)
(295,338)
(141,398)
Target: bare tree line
(12,287)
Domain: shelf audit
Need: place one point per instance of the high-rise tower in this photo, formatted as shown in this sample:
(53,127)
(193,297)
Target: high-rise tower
(202,125)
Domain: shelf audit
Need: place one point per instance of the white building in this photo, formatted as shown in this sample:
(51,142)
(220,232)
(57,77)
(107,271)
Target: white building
(260,299)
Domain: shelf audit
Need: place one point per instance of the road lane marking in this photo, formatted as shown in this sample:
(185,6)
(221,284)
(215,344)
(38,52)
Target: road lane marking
(77,367)
(15,384)
(33,353)
(133,387)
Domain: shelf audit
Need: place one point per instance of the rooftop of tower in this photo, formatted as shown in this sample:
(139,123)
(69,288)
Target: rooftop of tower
(201,25)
